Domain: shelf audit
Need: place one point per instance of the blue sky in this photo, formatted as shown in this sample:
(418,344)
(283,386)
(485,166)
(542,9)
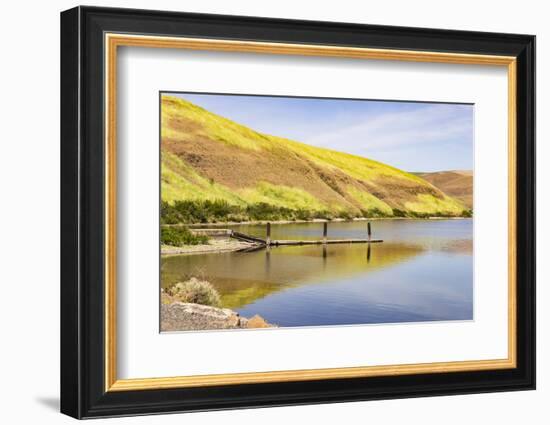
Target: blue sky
(408,135)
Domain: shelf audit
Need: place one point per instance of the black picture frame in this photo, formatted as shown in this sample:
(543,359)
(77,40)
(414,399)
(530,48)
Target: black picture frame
(83,392)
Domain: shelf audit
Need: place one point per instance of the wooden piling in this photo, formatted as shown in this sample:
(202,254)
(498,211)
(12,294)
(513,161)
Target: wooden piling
(324,241)
(368,253)
(369,231)
(320,241)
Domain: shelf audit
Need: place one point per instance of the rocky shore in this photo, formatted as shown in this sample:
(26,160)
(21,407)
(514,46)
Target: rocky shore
(178,314)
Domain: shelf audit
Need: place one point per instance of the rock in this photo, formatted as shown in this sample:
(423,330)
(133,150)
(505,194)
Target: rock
(257,322)
(178,316)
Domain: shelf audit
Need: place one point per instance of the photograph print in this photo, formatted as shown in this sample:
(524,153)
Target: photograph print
(280,212)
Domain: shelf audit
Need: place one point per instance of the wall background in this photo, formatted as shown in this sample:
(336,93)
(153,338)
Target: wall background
(29,211)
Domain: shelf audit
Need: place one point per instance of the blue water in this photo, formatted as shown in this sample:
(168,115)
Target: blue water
(423,271)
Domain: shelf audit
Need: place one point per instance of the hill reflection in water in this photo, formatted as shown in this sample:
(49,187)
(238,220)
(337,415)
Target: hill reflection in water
(422,272)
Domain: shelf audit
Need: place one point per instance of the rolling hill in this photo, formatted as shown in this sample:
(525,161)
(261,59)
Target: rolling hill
(459,184)
(207,157)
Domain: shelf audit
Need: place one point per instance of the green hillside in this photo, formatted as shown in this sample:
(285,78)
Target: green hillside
(206,157)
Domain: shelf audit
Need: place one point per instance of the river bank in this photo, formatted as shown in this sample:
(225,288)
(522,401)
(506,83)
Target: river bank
(213,245)
(220,239)
(320,220)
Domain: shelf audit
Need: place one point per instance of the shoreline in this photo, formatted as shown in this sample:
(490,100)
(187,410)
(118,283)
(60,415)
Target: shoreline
(315,220)
(178,316)
(214,245)
(222,243)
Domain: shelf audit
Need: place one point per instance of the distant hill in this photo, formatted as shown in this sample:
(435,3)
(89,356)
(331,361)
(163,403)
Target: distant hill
(208,157)
(458,184)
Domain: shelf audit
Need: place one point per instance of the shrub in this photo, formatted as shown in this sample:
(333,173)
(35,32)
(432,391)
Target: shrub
(195,291)
(373,213)
(303,214)
(169,215)
(345,214)
(181,235)
(324,214)
(208,211)
(399,213)
(197,211)
(265,211)
(416,214)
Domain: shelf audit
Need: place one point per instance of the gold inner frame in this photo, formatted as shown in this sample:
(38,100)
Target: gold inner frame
(113,41)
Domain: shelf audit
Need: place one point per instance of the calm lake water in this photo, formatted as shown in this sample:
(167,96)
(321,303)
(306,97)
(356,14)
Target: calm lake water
(423,271)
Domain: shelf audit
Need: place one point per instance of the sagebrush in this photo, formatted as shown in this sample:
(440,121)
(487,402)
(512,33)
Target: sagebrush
(195,291)
(179,236)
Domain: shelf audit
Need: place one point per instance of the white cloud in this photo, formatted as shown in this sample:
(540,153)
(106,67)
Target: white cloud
(400,130)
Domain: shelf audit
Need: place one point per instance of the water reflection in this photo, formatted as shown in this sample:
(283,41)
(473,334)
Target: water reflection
(422,271)
(368,253)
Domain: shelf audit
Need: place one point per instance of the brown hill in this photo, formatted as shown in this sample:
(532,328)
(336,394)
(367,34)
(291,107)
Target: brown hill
(206,156)
(458,184)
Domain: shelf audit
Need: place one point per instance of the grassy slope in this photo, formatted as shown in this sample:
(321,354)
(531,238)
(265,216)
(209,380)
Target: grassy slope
(459,184)
(206,156)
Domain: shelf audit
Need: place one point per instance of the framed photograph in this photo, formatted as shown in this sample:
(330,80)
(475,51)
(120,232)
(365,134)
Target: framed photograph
(261,212)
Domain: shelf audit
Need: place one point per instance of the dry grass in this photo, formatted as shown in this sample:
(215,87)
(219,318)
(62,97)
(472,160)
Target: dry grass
(458,184)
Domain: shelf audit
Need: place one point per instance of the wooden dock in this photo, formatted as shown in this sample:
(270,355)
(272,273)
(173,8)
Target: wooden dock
(324,241)
(247,238)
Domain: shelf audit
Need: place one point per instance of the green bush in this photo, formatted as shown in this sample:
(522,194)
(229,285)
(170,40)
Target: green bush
(169,215)
(180,235)
(302,214)
(415,214)
(207,211)
(399,213)
(325,215)
(195,291)
(346,215)
(373,213)
(265,211)
(196,211)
